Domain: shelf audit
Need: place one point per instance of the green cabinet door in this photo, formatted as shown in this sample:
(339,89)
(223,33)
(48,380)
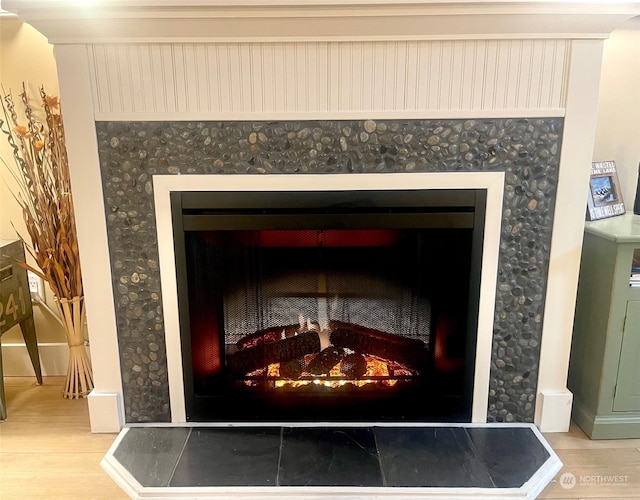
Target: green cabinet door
(627,396)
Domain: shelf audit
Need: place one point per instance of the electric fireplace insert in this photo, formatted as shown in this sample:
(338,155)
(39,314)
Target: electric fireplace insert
(328,306)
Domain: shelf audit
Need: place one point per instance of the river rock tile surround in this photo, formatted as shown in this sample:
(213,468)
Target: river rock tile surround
(527,150)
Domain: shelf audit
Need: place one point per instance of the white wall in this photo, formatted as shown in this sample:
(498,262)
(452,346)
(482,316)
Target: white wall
(26,56)
(618,125)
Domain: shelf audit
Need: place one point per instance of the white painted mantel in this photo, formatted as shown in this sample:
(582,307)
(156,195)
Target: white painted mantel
(328,59)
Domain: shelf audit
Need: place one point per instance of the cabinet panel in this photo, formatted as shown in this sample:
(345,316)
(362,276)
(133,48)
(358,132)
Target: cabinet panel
(627,396)
(604,372)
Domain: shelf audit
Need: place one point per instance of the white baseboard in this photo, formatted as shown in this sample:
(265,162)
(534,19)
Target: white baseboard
(53,360)
(556,410)
(105,412)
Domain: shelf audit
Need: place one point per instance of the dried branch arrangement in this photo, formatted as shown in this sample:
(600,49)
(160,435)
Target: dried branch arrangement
(41,172)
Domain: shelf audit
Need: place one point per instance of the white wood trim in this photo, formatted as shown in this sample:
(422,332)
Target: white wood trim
(568,227)
(82,148)
(353,115)
(16,362)
(211,81)
(214,21)
(104,408)
(163,185)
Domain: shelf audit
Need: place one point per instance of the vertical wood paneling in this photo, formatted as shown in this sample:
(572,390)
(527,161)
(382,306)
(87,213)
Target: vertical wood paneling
(169,70)
(279,86)
(202,96)
(158,82)
(421,100)
(322,50)
(135,79)
(411,75)
(224,71)
(367,87)
(127,91)
(257,80)
(301,78)
(112,75)
(389,70)
(400,81)
(558,88)
(446,83)
(333,77)
(468,75)
(213,78)
(546,73)
(308,77)
(235,71)
(182,82)
(378,66)
(267,78)
(434,86)
(311,72)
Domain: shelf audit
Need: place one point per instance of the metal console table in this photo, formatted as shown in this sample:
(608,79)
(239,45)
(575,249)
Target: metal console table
(16,307)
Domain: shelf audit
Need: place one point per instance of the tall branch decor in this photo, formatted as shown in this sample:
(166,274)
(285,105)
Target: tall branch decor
(41,172)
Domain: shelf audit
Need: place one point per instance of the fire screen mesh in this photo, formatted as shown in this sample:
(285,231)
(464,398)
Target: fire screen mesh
(328,321)
(269,297)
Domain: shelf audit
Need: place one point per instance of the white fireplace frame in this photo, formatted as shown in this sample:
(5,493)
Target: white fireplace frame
(493,182)
(105,55)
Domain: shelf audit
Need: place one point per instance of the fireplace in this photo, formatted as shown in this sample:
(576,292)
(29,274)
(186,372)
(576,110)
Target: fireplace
(167,85)
(329,305)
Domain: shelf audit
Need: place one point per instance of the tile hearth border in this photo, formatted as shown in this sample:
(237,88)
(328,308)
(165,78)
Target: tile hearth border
(331,460)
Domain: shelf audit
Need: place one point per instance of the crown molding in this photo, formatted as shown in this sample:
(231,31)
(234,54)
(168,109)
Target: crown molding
(159,21)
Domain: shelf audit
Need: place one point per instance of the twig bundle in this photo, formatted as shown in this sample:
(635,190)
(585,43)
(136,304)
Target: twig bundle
(44,193)
(41,172)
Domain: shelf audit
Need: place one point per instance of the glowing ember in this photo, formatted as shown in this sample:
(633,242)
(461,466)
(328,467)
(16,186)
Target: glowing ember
(376,368)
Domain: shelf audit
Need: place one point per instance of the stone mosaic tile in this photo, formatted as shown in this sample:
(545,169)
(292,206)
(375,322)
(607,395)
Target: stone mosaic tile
(527,150)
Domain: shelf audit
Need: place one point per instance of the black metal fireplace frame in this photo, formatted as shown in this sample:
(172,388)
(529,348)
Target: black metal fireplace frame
(257,210)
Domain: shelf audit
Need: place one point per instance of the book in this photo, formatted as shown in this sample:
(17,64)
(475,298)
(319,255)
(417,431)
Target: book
(605,195)
(634,278)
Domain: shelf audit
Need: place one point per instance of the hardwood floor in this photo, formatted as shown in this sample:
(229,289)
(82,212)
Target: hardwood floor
(48,451)
(46,447)
(594,469)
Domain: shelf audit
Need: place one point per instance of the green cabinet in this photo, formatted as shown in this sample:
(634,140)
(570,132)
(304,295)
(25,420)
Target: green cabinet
(604,371)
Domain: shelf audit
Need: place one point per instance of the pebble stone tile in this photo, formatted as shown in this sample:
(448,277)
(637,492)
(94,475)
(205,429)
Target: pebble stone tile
(526,150)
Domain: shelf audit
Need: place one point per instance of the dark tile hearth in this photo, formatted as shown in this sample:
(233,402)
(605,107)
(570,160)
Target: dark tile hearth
(333,456)
(200,459)
(220,457)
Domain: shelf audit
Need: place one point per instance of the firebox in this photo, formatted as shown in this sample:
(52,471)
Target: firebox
(331,306)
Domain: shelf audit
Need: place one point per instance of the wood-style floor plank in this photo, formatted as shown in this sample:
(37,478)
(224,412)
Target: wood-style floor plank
(47,450)
(597,473)
(603,468)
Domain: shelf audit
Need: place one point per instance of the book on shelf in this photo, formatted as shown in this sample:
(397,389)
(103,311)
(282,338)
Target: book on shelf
(605,195)
(634,279)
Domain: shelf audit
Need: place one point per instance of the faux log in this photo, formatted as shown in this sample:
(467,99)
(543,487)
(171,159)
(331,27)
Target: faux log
(273,334)
(354,365)
(292,369)
(411,353)
(251,358)
(326,359)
